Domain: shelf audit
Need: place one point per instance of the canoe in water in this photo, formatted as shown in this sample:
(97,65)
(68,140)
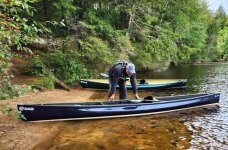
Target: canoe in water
(114,109)
(142,84)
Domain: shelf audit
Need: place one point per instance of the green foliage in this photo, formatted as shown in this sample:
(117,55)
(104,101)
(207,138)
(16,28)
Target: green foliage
(7,110)
(46,82)
(17,30)
(122,49)
(31,67)
(222,46)
(20,117)
(66,66)
(38,67)
(217,35)
(96,54)
(225,57)
(151,34)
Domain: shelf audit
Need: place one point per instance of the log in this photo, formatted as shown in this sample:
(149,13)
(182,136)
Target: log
(63,85)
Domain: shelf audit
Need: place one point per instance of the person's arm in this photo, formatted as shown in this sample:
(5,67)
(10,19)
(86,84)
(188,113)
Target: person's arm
(134,85)
(137,96)
(112,90)
(112,97)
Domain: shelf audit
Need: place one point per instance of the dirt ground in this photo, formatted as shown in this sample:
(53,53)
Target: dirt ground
(18,135)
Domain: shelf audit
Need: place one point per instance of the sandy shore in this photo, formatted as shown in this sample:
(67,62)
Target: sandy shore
(18,135)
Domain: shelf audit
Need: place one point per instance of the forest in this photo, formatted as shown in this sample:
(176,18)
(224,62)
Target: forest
(74,39)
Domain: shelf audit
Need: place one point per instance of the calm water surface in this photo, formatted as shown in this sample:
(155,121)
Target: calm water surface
(210,130)
(195,129)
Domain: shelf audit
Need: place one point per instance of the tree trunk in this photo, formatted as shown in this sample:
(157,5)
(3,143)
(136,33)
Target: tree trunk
(131,20)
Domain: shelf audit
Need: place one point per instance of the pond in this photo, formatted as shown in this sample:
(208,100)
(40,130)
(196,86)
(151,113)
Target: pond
(205,128)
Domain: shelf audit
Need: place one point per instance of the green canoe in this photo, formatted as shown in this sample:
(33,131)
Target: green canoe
(142,84)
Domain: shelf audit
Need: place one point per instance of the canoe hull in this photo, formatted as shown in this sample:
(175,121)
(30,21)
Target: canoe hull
(95,84)
(74,111)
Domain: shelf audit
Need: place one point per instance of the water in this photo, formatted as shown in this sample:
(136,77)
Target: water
(209,130)
(194,129)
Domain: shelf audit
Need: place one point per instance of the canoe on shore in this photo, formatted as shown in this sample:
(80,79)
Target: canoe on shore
(142,84)
(114,109)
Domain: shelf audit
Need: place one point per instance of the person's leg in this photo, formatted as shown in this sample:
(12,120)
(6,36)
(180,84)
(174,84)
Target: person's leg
(122,89)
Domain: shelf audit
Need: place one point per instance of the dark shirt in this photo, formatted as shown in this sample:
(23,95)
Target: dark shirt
(116,73)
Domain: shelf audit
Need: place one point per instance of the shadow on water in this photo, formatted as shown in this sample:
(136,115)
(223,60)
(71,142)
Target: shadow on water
(202,128)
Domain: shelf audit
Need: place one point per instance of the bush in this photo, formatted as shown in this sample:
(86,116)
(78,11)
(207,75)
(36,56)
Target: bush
(66,66)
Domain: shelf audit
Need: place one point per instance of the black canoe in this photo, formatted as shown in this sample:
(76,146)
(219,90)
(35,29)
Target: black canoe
(114,109)
(142,84)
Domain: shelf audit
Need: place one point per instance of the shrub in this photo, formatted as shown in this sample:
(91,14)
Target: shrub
(66,66)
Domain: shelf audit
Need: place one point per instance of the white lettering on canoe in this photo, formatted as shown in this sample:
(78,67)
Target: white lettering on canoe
(22,108)
(84,82)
